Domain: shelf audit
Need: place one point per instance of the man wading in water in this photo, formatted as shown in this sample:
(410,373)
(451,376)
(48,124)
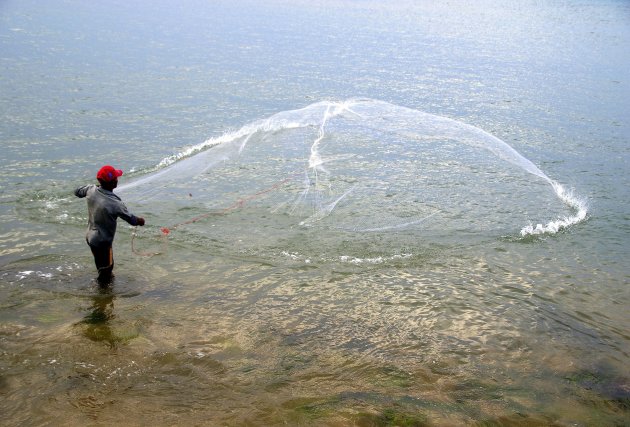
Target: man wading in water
(104,208)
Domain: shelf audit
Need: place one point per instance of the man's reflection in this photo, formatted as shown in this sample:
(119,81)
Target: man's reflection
(99,316)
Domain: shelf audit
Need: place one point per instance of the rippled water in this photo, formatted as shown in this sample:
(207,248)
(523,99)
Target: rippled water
(242,315)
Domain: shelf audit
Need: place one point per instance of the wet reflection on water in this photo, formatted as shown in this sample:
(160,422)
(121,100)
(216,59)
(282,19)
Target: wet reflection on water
(101,313)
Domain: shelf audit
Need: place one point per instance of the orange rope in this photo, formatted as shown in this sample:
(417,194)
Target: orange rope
(167,230)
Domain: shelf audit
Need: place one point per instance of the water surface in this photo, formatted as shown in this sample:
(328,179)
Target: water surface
(244,316)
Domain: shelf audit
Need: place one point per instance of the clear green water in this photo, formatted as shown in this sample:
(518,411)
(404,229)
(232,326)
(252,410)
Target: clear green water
(247,318)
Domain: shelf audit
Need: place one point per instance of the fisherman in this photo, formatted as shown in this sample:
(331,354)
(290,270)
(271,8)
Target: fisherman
(104,208)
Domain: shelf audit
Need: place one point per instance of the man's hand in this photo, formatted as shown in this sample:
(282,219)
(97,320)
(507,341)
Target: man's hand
(140,221)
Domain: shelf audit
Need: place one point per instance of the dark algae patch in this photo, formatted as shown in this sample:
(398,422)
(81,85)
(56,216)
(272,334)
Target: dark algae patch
(601,389)
(517,420)
(392,417)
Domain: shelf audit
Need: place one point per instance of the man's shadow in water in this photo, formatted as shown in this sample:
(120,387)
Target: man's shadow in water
(99,317)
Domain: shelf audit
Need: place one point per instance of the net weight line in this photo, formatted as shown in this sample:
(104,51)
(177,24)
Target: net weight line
(166,231)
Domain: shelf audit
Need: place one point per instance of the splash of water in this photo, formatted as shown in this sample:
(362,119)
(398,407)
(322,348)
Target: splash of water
(552,227)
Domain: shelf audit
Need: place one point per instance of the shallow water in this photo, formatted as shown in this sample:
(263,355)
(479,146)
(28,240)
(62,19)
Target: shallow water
(249,313)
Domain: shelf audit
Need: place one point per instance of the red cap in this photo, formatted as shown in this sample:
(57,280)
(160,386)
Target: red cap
(108,173)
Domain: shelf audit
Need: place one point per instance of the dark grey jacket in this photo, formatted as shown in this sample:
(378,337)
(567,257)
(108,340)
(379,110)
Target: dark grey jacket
(104,208)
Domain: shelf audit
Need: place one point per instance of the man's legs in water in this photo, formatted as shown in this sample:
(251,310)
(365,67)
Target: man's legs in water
(104,260)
